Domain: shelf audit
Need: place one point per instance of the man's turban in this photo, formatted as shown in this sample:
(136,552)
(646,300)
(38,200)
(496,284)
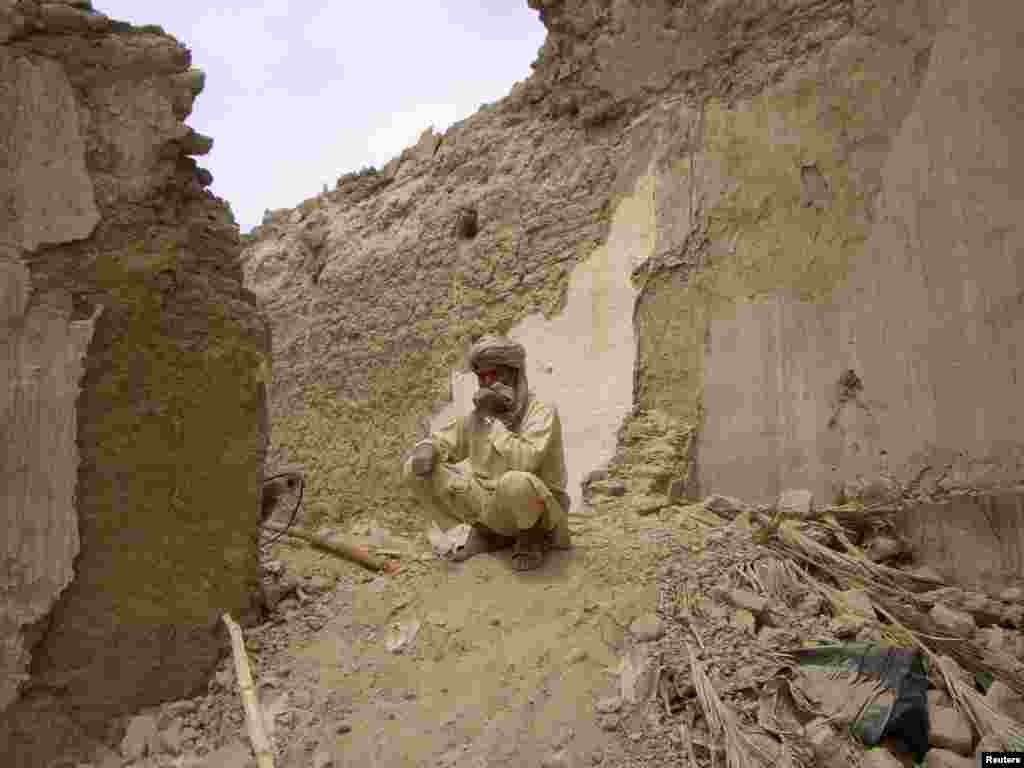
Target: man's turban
(497,350)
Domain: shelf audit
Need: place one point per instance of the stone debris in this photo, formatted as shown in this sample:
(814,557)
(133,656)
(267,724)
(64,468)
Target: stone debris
(953,621)
(943,758)
(883,548)
(948,729)
(725,506)
(938,698)
(647,627)
(796,503)
(847,625)
(575,656)
(555,760)
(1012,595)
(745,620)
(172,737)
(140,737)
(403,635)
(858,602)
(1004,699)
(609,705)
(636,675)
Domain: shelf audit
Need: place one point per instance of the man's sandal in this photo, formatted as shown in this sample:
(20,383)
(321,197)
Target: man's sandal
(480,540)
(530,548)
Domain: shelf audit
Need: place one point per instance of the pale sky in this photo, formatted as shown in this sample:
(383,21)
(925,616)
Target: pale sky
(299,92)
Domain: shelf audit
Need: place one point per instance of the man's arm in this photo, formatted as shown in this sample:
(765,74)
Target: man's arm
(448,442)
(526,450)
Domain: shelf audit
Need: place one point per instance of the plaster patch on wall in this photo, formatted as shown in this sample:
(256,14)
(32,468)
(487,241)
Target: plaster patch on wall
(41,354)
(582,360)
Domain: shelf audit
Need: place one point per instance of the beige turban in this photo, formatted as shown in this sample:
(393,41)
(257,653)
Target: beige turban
(501,350)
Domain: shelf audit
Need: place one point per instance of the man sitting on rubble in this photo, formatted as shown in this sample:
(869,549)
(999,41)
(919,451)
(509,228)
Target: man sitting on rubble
(500,468)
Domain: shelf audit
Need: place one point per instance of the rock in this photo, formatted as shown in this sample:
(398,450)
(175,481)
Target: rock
(858,602)
(880,757)
(235,754)
(1013,615)
(741,598)
(943,758)
(745,621)
(926,573)
(172,737)
(938,699)
(565,734)
(597,757)
(609,705)
(636,675)
(575,656)
(812,605)
(1004,699)
(847,625)
(826,743)
(140,737)
(317,585)
(403,635)
(608,722)
(953,621)
(726,506)
(898,750)
(613,488)
(948,729)
(343,728)
(183,707)
(883,548)
(796,503)
(988,743)
(647,627)
(648,505)
(1012,595)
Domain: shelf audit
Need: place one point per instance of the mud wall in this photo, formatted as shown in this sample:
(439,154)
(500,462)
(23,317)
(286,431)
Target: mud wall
(132,366)
(765,199)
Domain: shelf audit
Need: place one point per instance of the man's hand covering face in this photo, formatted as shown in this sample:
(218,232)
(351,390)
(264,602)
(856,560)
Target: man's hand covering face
(494,400)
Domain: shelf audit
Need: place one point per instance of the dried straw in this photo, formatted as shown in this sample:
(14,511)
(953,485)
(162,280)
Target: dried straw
(740,751)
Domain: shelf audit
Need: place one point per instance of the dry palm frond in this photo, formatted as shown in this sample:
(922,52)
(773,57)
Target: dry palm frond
(901,606)
(987,721)
(740,750)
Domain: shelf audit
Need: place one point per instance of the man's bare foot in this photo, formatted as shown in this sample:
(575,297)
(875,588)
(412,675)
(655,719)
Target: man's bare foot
(530,548)
(480,540)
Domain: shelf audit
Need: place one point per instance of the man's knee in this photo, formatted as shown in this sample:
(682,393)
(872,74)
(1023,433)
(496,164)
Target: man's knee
(516,486)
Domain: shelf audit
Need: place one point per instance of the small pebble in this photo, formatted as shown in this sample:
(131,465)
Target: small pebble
(575,655)
(344,727)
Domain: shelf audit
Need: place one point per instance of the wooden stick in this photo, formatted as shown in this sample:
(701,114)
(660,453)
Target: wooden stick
(336,544)
(253,716)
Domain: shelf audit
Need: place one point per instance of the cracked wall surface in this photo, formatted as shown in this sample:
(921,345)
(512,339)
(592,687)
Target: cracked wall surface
(132,382)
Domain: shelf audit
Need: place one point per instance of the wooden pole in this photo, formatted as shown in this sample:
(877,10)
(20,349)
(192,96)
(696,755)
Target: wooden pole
(253,716)
(338,545)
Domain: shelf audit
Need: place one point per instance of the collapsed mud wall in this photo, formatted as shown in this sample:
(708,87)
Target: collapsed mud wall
(132,367)
(795,224)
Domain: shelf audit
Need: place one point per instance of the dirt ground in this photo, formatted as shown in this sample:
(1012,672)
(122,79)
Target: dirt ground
(505,668)
(590,661)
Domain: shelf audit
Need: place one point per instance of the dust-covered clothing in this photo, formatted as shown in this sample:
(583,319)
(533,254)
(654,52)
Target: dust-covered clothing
(504,479)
